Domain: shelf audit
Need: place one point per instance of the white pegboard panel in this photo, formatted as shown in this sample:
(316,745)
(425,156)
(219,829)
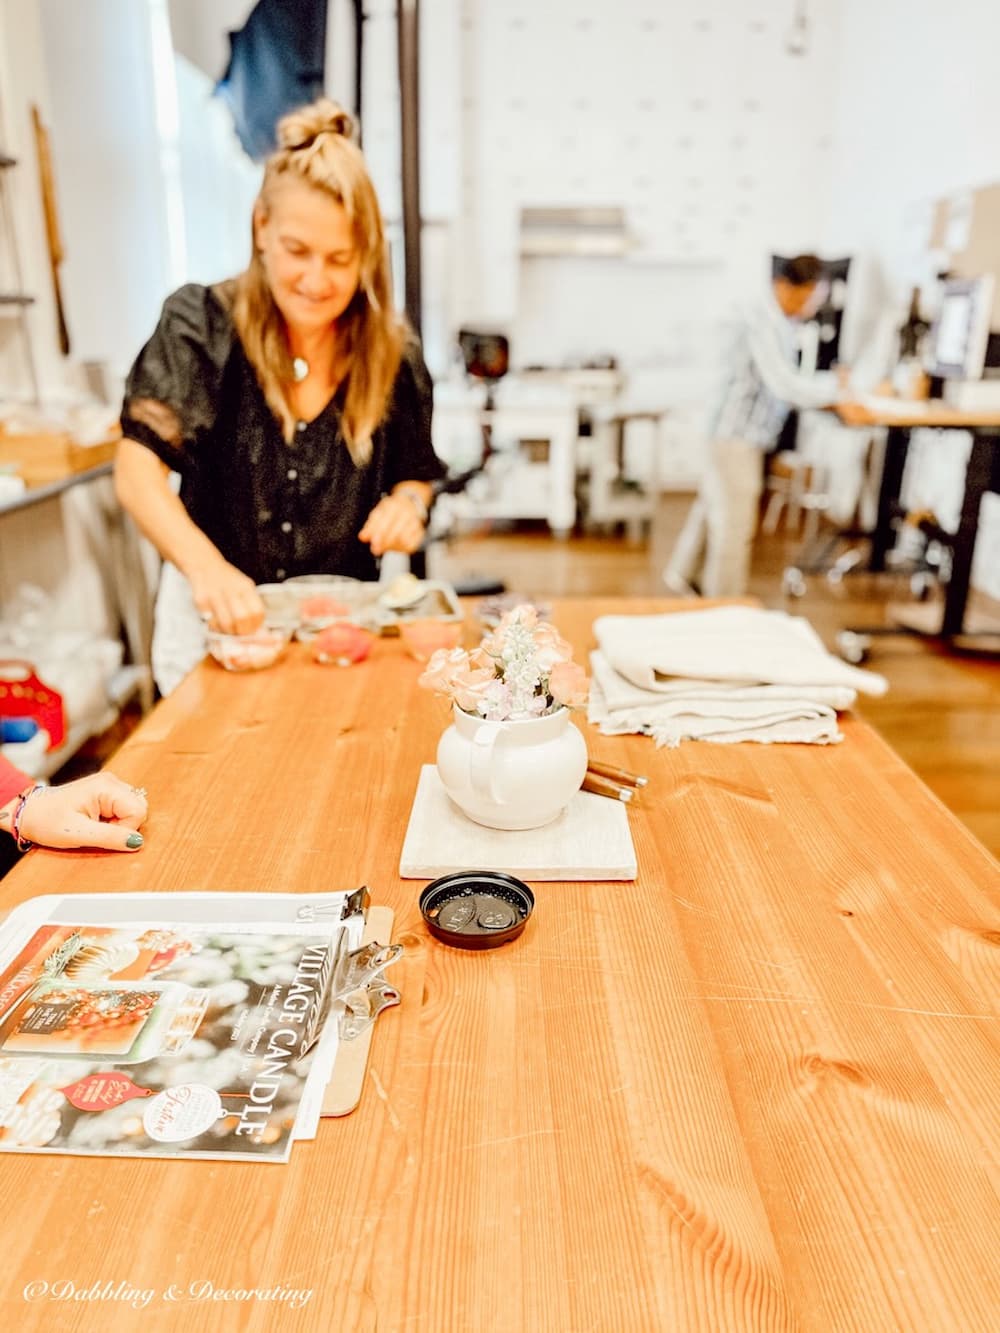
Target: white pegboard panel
(380,111)
(440,109)
(694,118)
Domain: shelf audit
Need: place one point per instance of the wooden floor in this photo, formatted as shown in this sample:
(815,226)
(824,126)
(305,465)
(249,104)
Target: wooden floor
(942,711)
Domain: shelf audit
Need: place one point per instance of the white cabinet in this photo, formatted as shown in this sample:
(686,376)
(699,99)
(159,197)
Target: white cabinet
(532,469)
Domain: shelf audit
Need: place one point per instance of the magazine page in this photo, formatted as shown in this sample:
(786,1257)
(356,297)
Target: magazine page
(160,1036)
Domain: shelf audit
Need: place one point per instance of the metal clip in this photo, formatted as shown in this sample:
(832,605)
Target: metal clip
(364,1005)
(356,969)
(355,904)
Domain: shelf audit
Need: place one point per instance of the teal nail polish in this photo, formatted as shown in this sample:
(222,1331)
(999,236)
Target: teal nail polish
(133,840)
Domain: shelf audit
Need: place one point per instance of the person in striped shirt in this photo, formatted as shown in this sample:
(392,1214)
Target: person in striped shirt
(761,384)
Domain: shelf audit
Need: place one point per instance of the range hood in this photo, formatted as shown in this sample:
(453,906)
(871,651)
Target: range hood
(574,231)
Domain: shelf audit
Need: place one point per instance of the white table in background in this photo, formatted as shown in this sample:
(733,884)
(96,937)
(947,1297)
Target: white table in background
(525,417)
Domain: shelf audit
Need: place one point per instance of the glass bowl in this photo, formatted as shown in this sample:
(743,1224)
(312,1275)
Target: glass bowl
(281,603)
(322,598)
(342,642)
(491,610)
(424,636)
(250,652)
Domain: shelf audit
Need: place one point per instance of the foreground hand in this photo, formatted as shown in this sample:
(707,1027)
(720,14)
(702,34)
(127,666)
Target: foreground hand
(393,525)
(98,811)
(227,599)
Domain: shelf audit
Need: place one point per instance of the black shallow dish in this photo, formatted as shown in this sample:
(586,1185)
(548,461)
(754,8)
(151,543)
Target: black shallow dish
(476,909)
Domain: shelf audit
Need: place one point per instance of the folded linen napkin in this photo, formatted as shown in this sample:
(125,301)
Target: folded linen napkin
(742,644)
(707,711)
(725,674)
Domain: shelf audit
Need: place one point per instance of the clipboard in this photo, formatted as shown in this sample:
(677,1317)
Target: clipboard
(312,974)
(365,990)
(343,1091)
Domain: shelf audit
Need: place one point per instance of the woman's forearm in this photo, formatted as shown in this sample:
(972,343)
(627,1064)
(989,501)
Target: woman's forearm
(223,594)
(143,489)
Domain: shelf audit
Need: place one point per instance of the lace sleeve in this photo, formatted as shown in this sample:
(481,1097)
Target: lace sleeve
(172,390)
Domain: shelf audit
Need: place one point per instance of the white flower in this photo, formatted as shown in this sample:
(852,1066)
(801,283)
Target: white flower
(508,675)
(496,702)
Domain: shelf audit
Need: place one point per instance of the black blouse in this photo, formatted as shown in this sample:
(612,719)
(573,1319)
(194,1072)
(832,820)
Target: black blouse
(273,509)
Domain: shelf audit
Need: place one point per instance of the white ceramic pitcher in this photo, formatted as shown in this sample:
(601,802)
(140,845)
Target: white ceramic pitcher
(512,775)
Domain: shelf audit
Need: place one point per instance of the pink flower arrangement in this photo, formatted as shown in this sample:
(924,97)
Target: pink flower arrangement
(523,669)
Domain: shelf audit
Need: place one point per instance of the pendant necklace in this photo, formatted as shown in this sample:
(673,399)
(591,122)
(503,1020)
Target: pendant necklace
(300,368)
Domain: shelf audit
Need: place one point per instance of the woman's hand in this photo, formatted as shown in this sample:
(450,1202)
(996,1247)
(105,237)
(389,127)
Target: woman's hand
(399,521)
(853,413)
(227,598)
(99,811)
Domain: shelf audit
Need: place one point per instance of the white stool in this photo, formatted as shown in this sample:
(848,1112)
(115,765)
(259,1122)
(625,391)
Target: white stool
(613,496)
(800,485)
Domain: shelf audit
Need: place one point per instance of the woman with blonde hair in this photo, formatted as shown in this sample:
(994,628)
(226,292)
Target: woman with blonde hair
(292,401)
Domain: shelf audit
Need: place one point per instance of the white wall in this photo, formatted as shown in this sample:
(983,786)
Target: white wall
(114,205)
(695,119)
(914,122)
(218,182)
(201,31)
(154,187)
(917,118)
(24,81)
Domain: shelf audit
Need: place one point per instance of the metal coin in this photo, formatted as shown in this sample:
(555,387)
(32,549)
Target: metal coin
(457,914)
(495,914)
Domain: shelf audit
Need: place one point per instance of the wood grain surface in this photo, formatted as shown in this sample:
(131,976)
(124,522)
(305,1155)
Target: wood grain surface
(933,413)
(756,1089)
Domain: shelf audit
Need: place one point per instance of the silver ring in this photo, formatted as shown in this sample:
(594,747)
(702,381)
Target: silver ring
(140,791)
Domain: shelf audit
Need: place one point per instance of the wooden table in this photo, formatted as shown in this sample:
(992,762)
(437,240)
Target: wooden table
(757,1089)
(982,474)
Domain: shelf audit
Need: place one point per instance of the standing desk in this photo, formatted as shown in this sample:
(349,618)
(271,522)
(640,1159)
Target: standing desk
(982,474)
(756,1089)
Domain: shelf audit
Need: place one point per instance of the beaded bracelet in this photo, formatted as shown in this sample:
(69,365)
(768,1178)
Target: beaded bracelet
(416,500)
(23,845)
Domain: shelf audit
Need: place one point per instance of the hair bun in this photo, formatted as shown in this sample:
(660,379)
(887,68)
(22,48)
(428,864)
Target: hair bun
(301,127)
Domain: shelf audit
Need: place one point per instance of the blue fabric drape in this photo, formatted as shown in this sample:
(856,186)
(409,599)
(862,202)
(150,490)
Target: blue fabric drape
(276,63)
